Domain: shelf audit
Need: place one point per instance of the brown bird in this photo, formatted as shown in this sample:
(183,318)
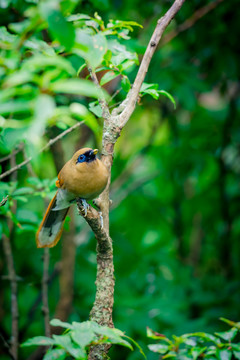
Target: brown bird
(83,176)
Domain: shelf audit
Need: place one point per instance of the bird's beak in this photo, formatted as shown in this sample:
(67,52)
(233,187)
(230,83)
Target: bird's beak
(95,151)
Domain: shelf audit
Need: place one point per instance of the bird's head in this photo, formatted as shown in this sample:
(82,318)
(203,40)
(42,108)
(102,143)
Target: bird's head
(85,155)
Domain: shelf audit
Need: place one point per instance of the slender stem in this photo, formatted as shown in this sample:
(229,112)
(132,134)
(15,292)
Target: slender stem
(7,246)
(190,21)
(45,280)
(14,305)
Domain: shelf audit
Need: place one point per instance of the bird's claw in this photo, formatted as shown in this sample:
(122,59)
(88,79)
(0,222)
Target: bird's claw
(85,206)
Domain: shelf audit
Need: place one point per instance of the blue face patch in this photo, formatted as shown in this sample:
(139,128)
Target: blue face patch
(81,158)
(87,157)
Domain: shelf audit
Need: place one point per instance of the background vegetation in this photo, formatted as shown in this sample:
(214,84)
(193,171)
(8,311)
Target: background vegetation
(175,187)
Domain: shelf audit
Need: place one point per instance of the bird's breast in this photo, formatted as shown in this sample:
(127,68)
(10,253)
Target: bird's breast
(85,180)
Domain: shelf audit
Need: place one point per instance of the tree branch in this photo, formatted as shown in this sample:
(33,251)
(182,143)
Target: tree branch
(129,104)
(190,21)
(113,124)
(45,280)
(14,152)
(12,276)
(103,305)
(14,305)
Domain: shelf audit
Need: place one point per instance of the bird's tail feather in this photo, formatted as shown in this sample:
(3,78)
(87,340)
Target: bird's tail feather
(51,227)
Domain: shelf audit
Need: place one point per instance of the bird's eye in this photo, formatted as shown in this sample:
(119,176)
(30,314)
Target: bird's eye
(81,158)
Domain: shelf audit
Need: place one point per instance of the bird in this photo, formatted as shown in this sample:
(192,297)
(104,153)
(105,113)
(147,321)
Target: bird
(84,176)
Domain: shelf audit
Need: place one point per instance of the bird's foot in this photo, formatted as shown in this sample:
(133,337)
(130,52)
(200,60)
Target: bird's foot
(85,206)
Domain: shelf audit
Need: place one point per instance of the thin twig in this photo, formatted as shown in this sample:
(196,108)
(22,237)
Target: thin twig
(14,152)
(12,276)
(50,142)
(129,104)
(190,21)
(4,200)
(14,305)
(45,280)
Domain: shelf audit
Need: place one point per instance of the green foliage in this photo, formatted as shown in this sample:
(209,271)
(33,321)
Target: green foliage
(78,338)
(199,345)
(175,177)
(152,89)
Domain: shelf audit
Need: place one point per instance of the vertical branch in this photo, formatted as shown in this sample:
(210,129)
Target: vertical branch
(12,276)
(113,124)
(14,305)
(45,278)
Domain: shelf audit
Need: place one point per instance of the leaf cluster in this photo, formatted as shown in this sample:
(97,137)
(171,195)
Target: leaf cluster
(199,345)
(78,338)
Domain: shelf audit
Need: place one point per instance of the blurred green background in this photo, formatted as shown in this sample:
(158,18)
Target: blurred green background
(175,219)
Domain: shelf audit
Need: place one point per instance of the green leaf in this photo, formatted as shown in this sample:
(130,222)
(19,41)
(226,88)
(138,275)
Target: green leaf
(76,17)
(196,351)
(121,54)
(114,336)
(228,335)
(6,38)
(83,337)
(154,93)
(90,47)
(44,109)
(40,62)
(110,75)
(231,323)
(126,65)
(224,354)
(10,138)
(22,191)
(169,96)
(125,83)
(95,108)
(18,78)
(146,86)
(205,337)
(159,348)
(81,68)
(152,89)
(136,344)
(58,354)
(57,322)
(16,107)
(115,24)
(155,335)
(39,45)
(40,341)
(107,56)
(69,346)
(20,27)
(77,87)
(59,27)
